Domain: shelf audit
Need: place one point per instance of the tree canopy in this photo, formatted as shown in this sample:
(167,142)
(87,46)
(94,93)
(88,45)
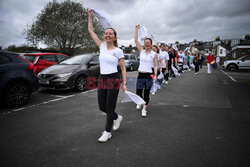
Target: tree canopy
(63,26)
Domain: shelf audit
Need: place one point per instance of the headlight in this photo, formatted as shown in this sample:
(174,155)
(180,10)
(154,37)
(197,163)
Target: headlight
(63,75)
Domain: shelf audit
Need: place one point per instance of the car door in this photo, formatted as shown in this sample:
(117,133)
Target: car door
(246,62)
(4,67)
(135,61)
(45,61)
(94,67)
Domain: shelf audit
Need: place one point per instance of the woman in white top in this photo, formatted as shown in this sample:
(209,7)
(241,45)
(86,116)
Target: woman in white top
(109,82)
(148,59)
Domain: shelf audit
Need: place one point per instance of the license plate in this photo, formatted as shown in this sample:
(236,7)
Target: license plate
(44,82)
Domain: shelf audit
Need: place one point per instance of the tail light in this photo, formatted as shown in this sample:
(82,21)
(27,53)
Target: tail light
(30,66)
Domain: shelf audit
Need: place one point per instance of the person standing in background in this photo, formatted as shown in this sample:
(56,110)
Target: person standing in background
(209,58)
(197,58)
(218,61)
(148,59)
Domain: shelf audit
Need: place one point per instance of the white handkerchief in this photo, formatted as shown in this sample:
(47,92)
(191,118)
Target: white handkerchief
(106,23)
(144,33)
(129,96)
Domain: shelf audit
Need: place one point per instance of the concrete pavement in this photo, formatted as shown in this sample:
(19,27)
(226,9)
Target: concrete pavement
(195,120)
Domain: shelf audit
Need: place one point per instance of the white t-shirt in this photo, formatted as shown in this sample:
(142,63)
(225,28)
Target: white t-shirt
(181,56)
(159,61)
(164,56)
(109,59)
(146,61)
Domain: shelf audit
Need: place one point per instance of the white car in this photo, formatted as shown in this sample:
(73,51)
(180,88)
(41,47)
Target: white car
(241,63)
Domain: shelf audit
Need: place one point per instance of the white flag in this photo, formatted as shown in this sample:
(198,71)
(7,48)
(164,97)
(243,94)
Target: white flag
(106,23)
(144,33)
(129,96)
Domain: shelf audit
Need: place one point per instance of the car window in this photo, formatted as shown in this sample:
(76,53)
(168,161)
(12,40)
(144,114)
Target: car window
(80,59)
(29,58)
(133,57)
(126,57)
(247,58)
(50,58)
(95,59)
(4,59)
(61,58)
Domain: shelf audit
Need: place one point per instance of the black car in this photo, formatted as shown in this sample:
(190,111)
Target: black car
(131,62)
(17,79)
(71,73)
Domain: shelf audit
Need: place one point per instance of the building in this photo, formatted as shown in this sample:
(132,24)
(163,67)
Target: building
(241,49)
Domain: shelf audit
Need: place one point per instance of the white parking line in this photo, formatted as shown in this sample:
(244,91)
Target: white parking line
(35,105)
(229,76)
(46,102)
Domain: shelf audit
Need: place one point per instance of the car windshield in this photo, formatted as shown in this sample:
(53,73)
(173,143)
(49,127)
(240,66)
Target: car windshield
(29,58)
(80,59)
(126,57)
(242,57)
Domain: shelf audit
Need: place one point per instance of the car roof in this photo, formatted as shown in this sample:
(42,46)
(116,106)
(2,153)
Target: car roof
(41,54)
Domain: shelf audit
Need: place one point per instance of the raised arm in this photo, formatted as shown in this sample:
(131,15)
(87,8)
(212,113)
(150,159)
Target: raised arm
(137,43)
(91,29)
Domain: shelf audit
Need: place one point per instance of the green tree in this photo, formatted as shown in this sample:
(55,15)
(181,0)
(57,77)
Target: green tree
(176,42)
(63,26)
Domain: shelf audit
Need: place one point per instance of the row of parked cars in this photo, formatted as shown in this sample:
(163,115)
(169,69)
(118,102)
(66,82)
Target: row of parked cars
(22,74)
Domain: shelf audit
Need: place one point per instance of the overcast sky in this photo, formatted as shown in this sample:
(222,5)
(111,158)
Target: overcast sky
(167,20)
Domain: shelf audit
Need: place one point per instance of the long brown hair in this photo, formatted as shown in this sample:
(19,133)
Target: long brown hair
(115,41)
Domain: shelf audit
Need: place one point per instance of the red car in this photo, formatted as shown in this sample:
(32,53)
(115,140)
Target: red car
(44,60)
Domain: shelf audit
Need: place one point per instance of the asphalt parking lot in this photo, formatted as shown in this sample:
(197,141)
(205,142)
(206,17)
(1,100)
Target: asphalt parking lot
(195,120)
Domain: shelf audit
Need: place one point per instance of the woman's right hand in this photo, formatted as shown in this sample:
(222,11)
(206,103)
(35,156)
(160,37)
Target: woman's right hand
(90,12)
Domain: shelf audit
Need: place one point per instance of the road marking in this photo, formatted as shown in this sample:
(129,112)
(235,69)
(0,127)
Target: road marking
(31,106)
(228,76)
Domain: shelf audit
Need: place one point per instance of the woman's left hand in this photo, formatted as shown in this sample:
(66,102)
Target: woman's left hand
(154,77)
(124,87)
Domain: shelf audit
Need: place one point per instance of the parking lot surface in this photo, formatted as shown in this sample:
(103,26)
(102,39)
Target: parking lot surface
(195,120)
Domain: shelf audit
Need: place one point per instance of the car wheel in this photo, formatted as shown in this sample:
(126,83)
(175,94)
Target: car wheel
(80,83)
(232,67)
(17,94)
(131,68)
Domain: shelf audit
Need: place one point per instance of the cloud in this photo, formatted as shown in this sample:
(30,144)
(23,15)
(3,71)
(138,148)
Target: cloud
(167,20)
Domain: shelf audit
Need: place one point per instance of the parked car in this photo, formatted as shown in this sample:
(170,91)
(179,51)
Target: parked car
(18,79)
(131,62)
(71,73)
(241,63)
(44,60)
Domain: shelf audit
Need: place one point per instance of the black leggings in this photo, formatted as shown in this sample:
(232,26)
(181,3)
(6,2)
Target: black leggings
(196,64)
(108,90)
(144,83)
(165,75)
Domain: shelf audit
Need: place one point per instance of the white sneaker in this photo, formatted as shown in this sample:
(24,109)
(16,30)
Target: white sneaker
(166,82)
(143,113)
(138,106)
(170,78)
(153,93)
(117,122)
(105,136)
(196,73)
